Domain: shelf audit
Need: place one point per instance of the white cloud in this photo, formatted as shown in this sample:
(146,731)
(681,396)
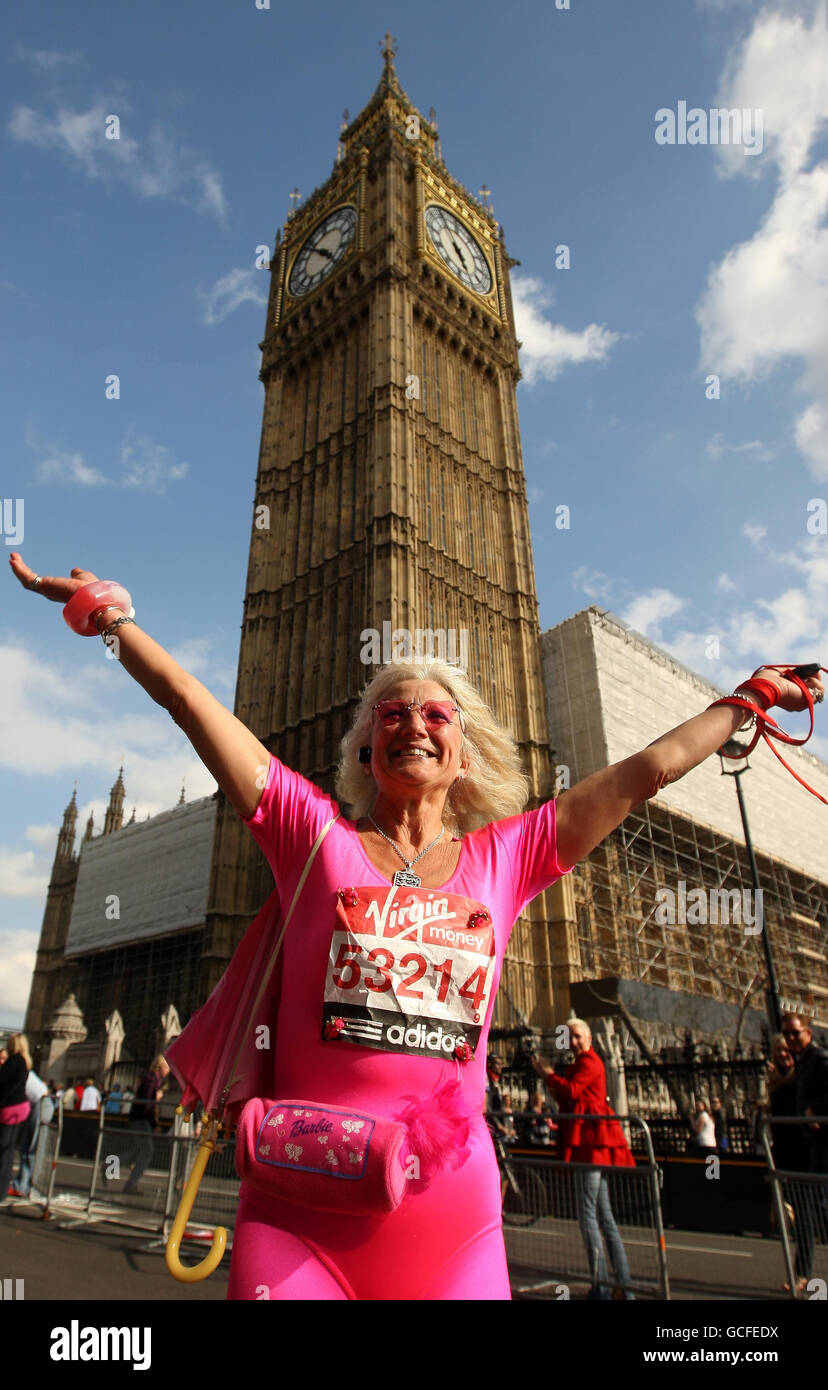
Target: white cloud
(766,302)
(50,726)
(546,347)
(791,626)
(45,59)
(594,583)
(755,533)
(718,445)
(158,166)
(725,584)
(779,69)
(63,466)
(648,612)
(23,873)
(811,435)
(231,290)
(147,466)
(18,949)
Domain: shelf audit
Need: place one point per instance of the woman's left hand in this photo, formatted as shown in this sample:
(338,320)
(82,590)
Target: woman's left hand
(790,695)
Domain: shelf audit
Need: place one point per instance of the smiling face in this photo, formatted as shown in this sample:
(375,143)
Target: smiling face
(579,1039)
(411,758)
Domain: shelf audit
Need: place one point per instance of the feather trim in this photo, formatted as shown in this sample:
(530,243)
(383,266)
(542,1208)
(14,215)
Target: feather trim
(438,1129)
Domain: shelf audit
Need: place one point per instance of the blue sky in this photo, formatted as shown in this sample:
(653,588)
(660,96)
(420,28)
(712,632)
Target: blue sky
(688,515)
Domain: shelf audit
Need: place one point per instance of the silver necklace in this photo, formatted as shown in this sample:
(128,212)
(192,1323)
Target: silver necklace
(404,878)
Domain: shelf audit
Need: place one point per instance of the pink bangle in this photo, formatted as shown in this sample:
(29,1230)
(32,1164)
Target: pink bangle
(86,601)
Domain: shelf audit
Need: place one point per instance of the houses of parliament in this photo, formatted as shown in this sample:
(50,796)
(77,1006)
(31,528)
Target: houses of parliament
(390,496)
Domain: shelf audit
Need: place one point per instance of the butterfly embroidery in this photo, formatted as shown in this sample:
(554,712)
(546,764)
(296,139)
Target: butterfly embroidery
(264,1148)
(293,1151)
(331,1157)
(355,1156)
(353,1126)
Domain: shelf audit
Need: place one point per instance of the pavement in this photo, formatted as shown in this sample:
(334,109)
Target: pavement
(67,1258)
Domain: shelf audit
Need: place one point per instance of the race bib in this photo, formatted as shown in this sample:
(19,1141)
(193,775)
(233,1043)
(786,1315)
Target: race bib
(409,970)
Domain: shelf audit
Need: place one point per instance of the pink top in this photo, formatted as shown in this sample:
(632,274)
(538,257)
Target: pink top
(381,984)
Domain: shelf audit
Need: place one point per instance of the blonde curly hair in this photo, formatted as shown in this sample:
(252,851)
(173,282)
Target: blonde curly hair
(495,785)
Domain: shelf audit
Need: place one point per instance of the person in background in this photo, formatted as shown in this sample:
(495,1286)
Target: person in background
(143,1118)
(494,1111)
(598,1142)
(14,1107)
(541,1131)
(112,1105)
(704,1130)
(508,1120)
(90,1096)
(811,1098)
(4,1056)
(27,1138)
(720,1124)
(72,1095)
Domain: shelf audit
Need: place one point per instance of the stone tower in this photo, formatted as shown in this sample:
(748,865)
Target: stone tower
(52,977)
(390,493)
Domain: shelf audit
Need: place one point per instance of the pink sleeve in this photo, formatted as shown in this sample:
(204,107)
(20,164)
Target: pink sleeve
(531,844)
(288,818)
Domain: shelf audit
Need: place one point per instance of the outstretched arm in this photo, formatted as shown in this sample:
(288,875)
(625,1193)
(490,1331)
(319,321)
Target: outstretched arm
(593,808)
(236,758)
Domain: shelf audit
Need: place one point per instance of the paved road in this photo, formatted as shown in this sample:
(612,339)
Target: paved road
(105,1262)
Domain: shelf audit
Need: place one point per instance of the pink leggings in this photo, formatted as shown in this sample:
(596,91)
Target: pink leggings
(444,1242)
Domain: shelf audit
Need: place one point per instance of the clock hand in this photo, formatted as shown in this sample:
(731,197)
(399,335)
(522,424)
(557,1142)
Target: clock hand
(322,251)
(459,251)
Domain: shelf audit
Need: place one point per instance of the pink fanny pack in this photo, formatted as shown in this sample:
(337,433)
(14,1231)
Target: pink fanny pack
(344,1160)
(15,1114)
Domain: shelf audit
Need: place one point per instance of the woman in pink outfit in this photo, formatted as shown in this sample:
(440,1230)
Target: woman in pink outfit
(393,957)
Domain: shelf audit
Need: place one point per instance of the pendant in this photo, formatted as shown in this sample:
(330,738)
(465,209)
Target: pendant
(404,878)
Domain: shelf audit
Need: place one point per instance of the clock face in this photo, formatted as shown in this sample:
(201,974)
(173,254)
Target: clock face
(322,251)
(455,245)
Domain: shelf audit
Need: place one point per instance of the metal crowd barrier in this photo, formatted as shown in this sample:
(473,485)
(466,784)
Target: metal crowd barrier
(800,1202)
(83,1165)
(544,1228)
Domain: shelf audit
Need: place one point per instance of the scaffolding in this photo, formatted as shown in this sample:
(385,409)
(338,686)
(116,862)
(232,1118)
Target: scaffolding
(620,891)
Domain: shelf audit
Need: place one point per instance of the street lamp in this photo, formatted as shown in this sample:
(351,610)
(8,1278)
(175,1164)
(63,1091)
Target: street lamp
(733,766)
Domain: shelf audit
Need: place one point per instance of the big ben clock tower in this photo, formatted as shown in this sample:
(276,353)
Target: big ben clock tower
(390,491)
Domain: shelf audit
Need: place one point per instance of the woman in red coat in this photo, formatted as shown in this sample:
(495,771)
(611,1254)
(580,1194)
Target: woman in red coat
(583,1091)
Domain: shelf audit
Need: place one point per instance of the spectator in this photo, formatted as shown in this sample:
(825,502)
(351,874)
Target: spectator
(27,1138)
(113,1101)
(811,1098)
(4,1056)
(143,1118)
(14,1107)
(90,1096)
(720,1124)
(704,1130)
(583,1091)
(540,1129)
(494,1111)
(72,1095)
(508,1120)
(494,1099)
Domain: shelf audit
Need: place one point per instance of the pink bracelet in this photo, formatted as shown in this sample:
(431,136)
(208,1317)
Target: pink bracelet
(86,601)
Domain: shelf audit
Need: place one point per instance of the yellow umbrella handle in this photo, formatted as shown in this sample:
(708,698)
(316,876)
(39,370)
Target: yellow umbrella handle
(191,1274)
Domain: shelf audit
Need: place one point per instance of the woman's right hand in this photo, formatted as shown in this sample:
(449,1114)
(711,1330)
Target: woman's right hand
(58,590)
